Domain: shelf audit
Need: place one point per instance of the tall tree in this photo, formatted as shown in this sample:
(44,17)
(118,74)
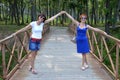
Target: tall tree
(33,10)
(107,15)
(116,12)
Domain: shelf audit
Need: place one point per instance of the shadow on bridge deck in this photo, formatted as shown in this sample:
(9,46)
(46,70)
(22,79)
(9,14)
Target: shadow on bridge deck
(58,60)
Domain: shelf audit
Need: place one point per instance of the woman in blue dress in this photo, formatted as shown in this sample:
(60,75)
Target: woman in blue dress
(82,40)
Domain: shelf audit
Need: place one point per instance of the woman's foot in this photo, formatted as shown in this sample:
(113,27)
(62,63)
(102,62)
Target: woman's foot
(86,66)
(30,68)
(83,68)
(34,71)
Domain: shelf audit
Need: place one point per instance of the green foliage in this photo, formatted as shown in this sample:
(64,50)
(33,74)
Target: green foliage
(110,43)
(98,25)
(55,6)
(11,28)
(7,58)
(6,30)
(118,23)
(72,4)
(115,32)
(1,79)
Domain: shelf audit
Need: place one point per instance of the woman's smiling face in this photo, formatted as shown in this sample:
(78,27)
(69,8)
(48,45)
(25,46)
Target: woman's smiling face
(83,17)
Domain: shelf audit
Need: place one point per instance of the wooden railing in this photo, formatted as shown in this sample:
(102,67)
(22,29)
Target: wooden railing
(105,49)
(14,49)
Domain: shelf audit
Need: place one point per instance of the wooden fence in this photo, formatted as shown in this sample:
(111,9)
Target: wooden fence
(105,48)
(14,51)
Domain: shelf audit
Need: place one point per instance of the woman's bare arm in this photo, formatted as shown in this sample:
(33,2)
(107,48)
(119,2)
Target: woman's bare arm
(53,17)
(96,30)
(75,21)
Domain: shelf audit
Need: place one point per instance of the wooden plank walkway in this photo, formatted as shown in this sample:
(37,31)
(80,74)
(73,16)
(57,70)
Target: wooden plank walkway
(58,60)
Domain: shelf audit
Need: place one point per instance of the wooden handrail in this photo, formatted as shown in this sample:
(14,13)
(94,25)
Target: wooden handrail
(19,49)
(93,29)
(26,29)
(15,46)
(100,49)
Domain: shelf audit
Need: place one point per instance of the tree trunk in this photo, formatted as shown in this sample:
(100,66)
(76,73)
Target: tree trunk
(17,17)
(22,11)
(107,22)
(33,10)
(119,10)
(0,12)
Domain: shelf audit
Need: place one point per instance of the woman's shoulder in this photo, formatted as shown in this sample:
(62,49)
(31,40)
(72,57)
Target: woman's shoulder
(87,25)
(33,22)
(78,24)
(42,23)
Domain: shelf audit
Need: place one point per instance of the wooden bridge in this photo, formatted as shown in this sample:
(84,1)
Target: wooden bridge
(57,59)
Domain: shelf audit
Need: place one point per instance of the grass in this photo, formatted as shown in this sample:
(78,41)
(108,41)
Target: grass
(6,30)
(115,33)
(1,79)
(11,28)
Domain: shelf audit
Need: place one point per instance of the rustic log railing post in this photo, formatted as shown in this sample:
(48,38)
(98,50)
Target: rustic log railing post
(105,50)
(93,44)
(16,49)
(101,49)
(3,62)
(117,60)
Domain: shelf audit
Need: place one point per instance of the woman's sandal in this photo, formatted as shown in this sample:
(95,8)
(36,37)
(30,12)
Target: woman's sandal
(83,68)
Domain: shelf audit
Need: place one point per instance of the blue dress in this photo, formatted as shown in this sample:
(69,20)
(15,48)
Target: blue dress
(82,40)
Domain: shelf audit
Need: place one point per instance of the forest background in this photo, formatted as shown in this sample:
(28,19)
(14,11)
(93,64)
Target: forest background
(103,14)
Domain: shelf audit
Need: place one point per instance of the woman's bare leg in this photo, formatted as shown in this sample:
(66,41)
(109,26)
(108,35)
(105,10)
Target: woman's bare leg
(86,59)
(83,59)
(86,62)
(32,59)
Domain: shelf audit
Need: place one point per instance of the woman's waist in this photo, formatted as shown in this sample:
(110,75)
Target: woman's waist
(81,37)
(36,36)
(35,39)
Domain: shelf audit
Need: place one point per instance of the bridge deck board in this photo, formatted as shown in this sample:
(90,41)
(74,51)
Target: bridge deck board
(58,60)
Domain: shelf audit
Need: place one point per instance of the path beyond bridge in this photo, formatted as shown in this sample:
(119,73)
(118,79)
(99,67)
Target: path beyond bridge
(58,60)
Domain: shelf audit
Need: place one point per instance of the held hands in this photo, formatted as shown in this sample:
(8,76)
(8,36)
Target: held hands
(53,17)
(63,12)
